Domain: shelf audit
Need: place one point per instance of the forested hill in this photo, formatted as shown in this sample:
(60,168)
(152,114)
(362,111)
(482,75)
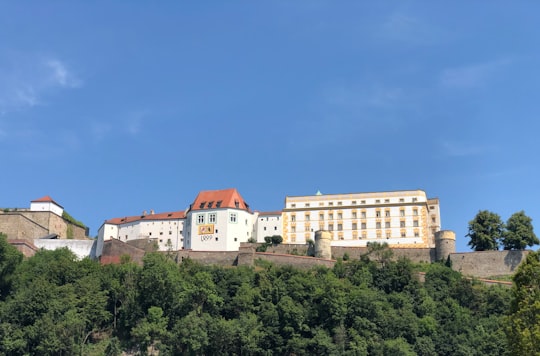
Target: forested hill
(52,304)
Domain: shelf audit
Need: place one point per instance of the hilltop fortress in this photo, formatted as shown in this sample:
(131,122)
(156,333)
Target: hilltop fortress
(220,227)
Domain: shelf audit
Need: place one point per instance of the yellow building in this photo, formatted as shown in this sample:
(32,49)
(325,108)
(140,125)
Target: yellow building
(400,218)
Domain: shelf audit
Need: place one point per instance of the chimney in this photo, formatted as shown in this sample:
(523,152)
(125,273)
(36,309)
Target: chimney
(151,211)
(144,213)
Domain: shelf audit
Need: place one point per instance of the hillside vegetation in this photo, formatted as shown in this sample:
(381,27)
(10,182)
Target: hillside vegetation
(52,304)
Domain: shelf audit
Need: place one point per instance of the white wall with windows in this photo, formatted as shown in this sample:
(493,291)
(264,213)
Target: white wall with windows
(217,229)
(46,206)
(267,224)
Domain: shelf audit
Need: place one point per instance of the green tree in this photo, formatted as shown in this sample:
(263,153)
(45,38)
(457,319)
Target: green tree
(519,232)
(10,258)
(485,231)
(522,326)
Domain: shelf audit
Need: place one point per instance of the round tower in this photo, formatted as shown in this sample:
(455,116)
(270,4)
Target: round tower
(445,244)
(322,244)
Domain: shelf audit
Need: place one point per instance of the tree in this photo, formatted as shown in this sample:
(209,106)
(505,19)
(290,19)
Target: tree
(519,232)
(10,258)
(522,326)
(485,231)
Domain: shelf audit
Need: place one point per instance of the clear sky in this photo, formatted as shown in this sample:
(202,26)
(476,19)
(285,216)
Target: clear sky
(115,107)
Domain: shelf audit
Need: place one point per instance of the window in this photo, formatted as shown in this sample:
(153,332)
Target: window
(340,227)
(388,234)
(200,219)
(362,202)
(354,214)
(415,223)
(331,227)
(378,214)
(401,200)
(403,234)
(363,226)
(210,204)
(307,217)
(331,216)
(378,235)
(293,228)
(402,224)
(378,225)
(170,232)
(218,204)
(377,201)
(235,239)
(387,224)
(339,203)
(212,218)
(354,226)
(293,205)
(233,217)
(363,214)
(201,206)
(293,217)
(321,216)
(415,212)
(340,216)
(387,213)
(161,233)
(387,200)
(431,207)
(416,234)
(307,205)
(354,202)
(264,228)
(414,200)
(433,219)
(330,203)
(275,227)
(402,213)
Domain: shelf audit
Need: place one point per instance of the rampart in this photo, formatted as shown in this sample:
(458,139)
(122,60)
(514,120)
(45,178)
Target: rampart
(487,263)
(26,224)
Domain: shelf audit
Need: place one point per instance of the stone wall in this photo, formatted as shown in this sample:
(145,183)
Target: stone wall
(26,247)
(220,258)
(26,224)
(487,263)
(113,250)
(303,262)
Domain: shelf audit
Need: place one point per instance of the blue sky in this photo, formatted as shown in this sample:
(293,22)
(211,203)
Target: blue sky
(113,108)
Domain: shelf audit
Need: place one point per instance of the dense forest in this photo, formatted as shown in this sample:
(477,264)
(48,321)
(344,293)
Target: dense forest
(53,304)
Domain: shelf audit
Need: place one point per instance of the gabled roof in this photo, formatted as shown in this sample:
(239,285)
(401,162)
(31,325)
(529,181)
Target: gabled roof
(219,199)
(46,199)
(152,217)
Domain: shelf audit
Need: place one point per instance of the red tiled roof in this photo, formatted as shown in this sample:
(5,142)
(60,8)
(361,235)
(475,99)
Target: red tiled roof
(277,212)
(46,199)
(161,216)
(218,199)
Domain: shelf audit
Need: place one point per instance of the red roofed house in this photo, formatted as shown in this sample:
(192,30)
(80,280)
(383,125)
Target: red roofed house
(46,204)
(165,229)
(218,220)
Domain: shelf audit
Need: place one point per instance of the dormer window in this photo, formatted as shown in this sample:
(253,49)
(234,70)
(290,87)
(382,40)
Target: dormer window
(237,204)
(218,204)
(202,205)
(210,204)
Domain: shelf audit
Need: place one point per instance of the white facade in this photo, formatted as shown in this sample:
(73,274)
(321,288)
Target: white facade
(165,229)
(218,229)
(268,224)
(404,218)
(46,204)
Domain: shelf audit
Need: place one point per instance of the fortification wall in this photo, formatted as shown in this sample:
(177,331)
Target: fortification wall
(487,263)
(26,247)
(81,248)
(16,226)
(36,224)
(303,262)
(220,258)
(113,250)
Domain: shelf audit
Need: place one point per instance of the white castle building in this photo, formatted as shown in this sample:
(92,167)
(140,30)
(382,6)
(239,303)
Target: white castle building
(219,220)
